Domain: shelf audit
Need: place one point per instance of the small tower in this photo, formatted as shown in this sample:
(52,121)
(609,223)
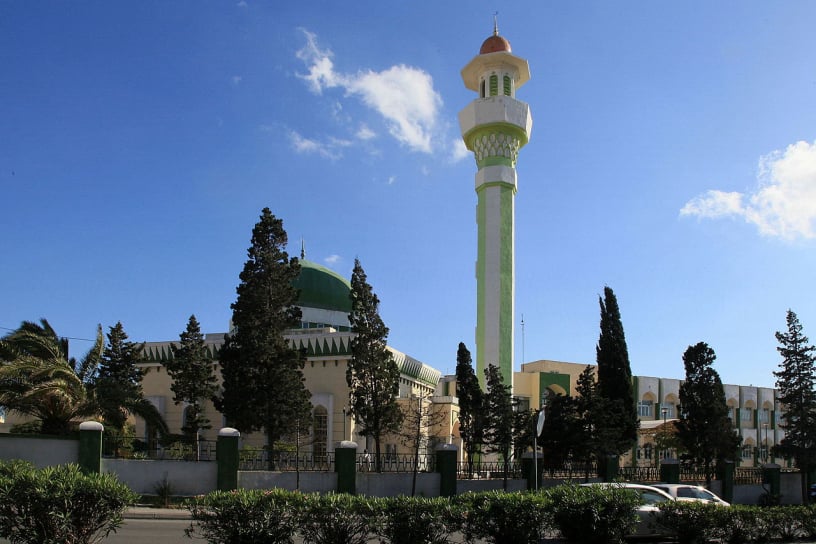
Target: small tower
(494,127)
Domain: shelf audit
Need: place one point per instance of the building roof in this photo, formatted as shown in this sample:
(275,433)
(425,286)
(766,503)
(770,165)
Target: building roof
(322,288)
(494,44)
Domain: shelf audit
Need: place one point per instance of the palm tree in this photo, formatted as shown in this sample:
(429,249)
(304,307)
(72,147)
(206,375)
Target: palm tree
(39,380)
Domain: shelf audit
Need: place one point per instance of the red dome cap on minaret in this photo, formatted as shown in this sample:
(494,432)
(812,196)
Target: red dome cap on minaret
(495,43)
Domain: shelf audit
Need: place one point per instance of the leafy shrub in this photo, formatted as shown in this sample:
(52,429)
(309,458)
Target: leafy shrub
(808,521)
(738,524)
(407,520)
(501,517)
(335,519)
(59,505)
(689,522)
(245,516)
(593,514)
(164,491)
(786,523)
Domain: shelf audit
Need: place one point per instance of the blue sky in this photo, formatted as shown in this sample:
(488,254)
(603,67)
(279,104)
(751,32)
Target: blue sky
(673,158)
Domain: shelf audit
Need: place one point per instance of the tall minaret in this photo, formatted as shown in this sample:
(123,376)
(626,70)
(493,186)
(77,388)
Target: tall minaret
(495,126)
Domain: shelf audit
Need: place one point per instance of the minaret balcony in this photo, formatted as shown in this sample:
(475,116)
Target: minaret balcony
(502,110)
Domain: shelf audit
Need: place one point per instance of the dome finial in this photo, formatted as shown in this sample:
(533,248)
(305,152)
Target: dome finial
(302,249)
(496,23)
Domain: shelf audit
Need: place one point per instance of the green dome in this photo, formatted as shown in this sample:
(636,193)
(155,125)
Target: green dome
(322,288)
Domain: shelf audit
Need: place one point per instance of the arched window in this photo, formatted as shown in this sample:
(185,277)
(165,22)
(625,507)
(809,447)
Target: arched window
(507,86)
(320,426)
(494,85)
(482,90)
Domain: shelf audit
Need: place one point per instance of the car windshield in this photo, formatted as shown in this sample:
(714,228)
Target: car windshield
(650,497)
(695,493)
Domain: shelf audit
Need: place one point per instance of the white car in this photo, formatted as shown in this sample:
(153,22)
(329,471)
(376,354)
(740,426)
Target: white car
(647,512)
(694,493)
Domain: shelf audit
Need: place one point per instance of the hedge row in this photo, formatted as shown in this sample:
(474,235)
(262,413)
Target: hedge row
(277,516)
(59,505)
(589,515)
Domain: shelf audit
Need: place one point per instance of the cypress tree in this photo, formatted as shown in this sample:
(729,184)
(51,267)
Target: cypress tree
(615,374)
(704,430)
(471,406)
(795,380)
(194,382)
(372,374)
(118,382)
(263,383)
(498,432)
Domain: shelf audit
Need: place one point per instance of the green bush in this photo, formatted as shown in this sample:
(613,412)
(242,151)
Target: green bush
(59,505)
(808,521)
(245,516)
(785,523)
(502,517)
(592,514)
(335,519)
(407,520)
(690,522)
(739,524)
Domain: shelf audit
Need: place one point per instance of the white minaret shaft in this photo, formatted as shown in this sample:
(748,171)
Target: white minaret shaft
(495,126)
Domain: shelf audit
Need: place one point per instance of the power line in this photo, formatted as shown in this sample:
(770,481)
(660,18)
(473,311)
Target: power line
(66,337)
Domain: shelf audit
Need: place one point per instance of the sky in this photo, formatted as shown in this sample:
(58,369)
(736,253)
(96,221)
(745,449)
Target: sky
(672,158)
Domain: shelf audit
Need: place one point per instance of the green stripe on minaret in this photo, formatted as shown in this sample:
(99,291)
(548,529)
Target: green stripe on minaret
(506,286)
(481,219)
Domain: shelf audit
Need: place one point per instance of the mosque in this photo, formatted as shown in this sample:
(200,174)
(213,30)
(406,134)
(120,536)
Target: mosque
(494,126)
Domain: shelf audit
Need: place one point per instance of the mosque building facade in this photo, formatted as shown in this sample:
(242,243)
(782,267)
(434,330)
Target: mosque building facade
(494,127)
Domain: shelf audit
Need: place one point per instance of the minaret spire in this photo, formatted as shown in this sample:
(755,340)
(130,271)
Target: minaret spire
(302,249)
(495,126)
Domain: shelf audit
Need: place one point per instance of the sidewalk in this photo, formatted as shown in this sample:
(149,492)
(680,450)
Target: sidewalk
(147,512)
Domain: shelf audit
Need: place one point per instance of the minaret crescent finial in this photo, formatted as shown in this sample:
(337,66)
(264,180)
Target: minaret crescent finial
(302,249)
(495,23)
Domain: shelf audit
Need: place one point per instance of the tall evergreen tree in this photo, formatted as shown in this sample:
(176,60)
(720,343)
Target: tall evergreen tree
(117,385)
(194,380)
(562,435)
(372,374)
(704,430)
(599,436)
(615,374)
(500,417)
(795,380)
(471,406)
(263,385)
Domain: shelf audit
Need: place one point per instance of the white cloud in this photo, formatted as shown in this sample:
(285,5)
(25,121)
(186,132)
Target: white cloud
(784,203)
(403,95)
(236,80)
(459,150)
(242,4)
(321,68)
(391,180)
(365,133)
(330,149)
(332,259)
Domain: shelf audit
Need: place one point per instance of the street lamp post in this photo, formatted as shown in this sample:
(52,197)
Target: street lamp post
(539,426)
(765,445)
(664,412)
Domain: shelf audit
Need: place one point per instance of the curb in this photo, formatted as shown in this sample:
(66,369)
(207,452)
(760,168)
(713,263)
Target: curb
(140,512)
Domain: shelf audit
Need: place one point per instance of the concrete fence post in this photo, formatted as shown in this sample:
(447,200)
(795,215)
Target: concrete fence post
(90,447)
(771,475)
(446,456)
(227,458)
(608,468)
(725,473)
(345,465)
(670,471)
